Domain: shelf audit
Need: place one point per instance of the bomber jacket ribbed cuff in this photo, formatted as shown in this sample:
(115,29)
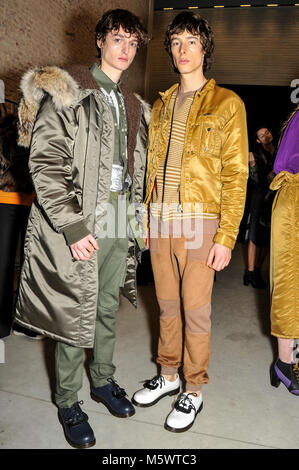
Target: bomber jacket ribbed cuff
(225,240)
(75,232)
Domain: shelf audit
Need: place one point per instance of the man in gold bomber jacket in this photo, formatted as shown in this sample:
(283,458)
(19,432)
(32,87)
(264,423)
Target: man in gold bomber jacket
(195,194)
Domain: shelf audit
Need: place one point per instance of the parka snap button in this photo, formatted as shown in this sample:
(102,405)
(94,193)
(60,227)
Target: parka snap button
(206,149)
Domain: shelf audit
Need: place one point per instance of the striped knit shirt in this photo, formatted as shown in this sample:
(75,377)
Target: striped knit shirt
(166,203)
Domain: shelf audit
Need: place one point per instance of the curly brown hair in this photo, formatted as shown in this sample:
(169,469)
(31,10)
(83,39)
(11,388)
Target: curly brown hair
(112,20)
(197,25)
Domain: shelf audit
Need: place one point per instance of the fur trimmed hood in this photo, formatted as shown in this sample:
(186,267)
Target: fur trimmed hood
(35,83)
(64,88)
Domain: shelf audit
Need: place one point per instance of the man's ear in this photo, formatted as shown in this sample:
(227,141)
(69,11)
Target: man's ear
(99,43)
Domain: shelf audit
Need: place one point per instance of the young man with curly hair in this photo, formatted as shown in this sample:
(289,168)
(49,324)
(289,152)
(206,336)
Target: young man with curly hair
(195,190)
(87,136)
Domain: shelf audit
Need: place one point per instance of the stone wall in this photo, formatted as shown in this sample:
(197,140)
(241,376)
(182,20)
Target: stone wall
(58,32)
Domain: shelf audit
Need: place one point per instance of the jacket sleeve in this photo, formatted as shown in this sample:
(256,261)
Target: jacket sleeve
(254,175)
(141,148)
(50,166)
(234,175)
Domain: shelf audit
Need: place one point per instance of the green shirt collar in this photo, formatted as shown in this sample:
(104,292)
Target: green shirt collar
(103,80)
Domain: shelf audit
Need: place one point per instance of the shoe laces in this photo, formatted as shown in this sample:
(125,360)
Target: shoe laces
(75,415)
(118,392)
(296,370)
(154,383)
(184,403)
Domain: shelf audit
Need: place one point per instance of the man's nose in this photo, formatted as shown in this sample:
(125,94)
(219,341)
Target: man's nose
(182,48)
(125,47)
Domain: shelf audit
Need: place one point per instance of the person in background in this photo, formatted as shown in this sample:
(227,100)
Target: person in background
(16,197)
(261,174)
(284,256)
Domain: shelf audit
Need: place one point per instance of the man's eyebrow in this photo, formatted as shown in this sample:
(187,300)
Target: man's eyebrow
(187,37)
(123,36)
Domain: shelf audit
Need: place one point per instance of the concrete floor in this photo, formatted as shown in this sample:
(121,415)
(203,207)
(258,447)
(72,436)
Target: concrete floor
(241,409)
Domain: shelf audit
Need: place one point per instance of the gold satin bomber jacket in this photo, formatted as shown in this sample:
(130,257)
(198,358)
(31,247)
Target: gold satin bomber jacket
(215,157)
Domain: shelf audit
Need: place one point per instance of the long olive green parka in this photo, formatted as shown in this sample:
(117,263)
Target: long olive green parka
(67,123)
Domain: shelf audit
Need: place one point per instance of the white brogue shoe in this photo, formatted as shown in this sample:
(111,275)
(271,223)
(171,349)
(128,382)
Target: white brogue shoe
(184,413)
(154,390)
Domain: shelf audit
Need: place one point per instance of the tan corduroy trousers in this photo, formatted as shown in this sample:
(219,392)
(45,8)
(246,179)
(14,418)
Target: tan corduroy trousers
(184,285)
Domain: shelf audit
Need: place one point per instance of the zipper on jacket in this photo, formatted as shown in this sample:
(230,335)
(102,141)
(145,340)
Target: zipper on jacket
(180,210)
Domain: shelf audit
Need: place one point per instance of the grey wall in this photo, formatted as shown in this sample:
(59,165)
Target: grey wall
(254,46)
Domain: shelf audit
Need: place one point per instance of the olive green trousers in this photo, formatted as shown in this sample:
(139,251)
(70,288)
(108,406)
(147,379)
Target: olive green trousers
(112,266)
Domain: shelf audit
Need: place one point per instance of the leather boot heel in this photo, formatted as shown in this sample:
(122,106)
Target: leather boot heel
(287,373)
(275,380)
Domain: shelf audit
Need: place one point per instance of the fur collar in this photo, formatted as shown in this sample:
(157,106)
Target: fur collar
(63,86)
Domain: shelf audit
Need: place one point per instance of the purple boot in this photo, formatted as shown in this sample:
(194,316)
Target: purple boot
(286,373)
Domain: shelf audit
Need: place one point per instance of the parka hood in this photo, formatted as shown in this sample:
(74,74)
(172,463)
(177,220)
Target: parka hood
(34,85)
(64,88)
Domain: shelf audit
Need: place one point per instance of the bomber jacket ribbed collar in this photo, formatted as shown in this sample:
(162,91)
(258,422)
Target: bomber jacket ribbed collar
(165,96)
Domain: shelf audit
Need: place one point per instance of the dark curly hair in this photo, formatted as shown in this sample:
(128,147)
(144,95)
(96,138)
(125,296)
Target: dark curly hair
(197,25)
(112,20)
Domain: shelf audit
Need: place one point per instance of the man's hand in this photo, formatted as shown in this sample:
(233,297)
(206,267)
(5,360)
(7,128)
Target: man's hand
(251,159)
(83,249)
(219,257)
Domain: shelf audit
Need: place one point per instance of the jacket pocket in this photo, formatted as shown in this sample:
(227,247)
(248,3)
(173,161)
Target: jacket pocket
(79,197)
(209,144)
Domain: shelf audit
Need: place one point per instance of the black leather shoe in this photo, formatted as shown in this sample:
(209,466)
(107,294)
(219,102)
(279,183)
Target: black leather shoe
(77,431)
(254,278)
(114,398)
